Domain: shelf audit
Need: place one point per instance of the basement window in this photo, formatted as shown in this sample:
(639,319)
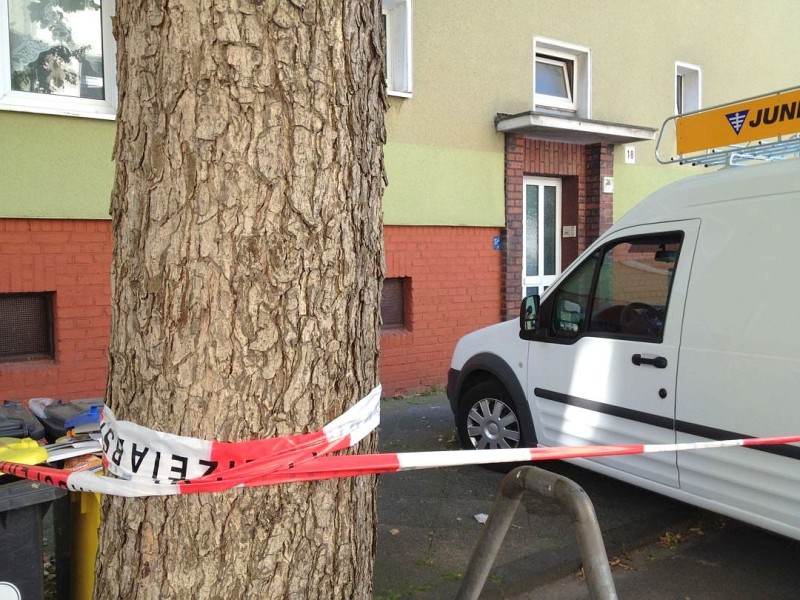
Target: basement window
(393,303)
(26,327)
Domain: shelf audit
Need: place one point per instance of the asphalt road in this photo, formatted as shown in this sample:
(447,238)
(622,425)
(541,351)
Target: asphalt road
(659,548)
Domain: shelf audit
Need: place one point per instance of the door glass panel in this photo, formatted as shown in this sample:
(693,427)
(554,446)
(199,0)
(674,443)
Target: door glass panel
(541,239)
(633,287)
(549,230)
(530,291)
(531,230)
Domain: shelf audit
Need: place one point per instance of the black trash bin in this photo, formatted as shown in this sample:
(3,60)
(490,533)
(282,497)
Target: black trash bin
(17,421)
(23,505)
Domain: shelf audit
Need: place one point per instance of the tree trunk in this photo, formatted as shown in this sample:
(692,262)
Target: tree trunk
(248,253)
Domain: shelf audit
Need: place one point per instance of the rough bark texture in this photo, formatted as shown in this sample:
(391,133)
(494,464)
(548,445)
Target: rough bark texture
(247,228)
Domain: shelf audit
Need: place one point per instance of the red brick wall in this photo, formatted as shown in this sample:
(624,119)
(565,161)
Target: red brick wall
(454,276)
(72,259)
(455,288)
(599,215)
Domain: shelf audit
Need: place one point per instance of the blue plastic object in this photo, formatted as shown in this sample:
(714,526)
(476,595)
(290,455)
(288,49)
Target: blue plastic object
(59,415)
(87,417)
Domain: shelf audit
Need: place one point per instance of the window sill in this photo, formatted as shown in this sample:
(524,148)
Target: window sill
(397,94)
(548,109)
(396,332)
(27,365)
(106,116)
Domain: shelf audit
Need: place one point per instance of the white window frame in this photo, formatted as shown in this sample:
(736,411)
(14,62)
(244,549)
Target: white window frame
(541,280)
(54,104)
(559,60)
(580,89)
(399,20)
(691,89)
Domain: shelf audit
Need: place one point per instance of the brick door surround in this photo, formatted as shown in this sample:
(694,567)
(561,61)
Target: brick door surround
(582,169)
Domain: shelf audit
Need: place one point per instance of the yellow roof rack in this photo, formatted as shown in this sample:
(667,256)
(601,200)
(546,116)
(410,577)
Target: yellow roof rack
(754,129)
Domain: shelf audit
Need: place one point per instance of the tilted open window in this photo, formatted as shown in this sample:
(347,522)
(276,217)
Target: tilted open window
(561,78)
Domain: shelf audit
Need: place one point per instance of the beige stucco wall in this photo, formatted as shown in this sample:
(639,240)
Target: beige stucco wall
(472,59)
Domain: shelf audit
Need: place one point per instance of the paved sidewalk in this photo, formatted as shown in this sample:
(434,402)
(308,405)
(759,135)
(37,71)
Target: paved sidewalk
(427,528)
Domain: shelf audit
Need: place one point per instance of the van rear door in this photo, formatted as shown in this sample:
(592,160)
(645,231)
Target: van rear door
(606,370)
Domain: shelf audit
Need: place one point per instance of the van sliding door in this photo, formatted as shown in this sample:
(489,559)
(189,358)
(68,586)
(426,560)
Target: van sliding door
(740,362)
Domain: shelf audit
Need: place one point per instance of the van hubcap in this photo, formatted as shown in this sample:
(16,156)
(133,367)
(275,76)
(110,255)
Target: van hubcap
(491,423)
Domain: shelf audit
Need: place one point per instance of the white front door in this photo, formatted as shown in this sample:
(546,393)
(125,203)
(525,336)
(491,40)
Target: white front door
(541,207)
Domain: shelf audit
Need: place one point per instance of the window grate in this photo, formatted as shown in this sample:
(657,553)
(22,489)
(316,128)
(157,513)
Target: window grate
(26,326)
(393,303)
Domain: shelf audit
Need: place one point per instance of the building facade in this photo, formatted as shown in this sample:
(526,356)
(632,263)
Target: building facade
(539,119)
(516,135)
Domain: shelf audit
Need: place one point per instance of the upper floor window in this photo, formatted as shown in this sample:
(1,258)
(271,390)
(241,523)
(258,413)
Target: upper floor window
(561,78)
(688,87)
(57,57)
(555,81)
(397,23)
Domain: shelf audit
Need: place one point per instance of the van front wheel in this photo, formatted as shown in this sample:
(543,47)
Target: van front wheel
(488,419)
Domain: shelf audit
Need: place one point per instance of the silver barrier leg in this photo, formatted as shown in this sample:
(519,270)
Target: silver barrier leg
(573,498)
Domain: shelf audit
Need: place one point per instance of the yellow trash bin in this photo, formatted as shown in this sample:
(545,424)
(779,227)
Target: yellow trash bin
(85,523)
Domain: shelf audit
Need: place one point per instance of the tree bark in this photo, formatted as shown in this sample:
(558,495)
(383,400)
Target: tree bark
(245,282)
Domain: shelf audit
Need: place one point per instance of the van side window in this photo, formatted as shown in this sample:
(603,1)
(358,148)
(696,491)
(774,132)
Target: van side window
(632,291)
(571,301)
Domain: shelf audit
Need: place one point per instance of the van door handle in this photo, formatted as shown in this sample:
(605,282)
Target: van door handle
(659,362)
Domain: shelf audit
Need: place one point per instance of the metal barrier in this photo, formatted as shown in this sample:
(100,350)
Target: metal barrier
(573,498)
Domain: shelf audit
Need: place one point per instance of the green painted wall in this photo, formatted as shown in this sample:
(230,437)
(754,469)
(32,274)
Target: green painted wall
(55,167)
(435,185)
(472,60)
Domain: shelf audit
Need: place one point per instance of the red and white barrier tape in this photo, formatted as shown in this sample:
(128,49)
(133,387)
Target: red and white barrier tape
(151,463)
(136,453)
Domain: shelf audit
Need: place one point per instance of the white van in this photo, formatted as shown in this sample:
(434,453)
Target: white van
(680,324)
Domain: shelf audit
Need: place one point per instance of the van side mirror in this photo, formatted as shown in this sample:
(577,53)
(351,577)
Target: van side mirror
(528,316)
